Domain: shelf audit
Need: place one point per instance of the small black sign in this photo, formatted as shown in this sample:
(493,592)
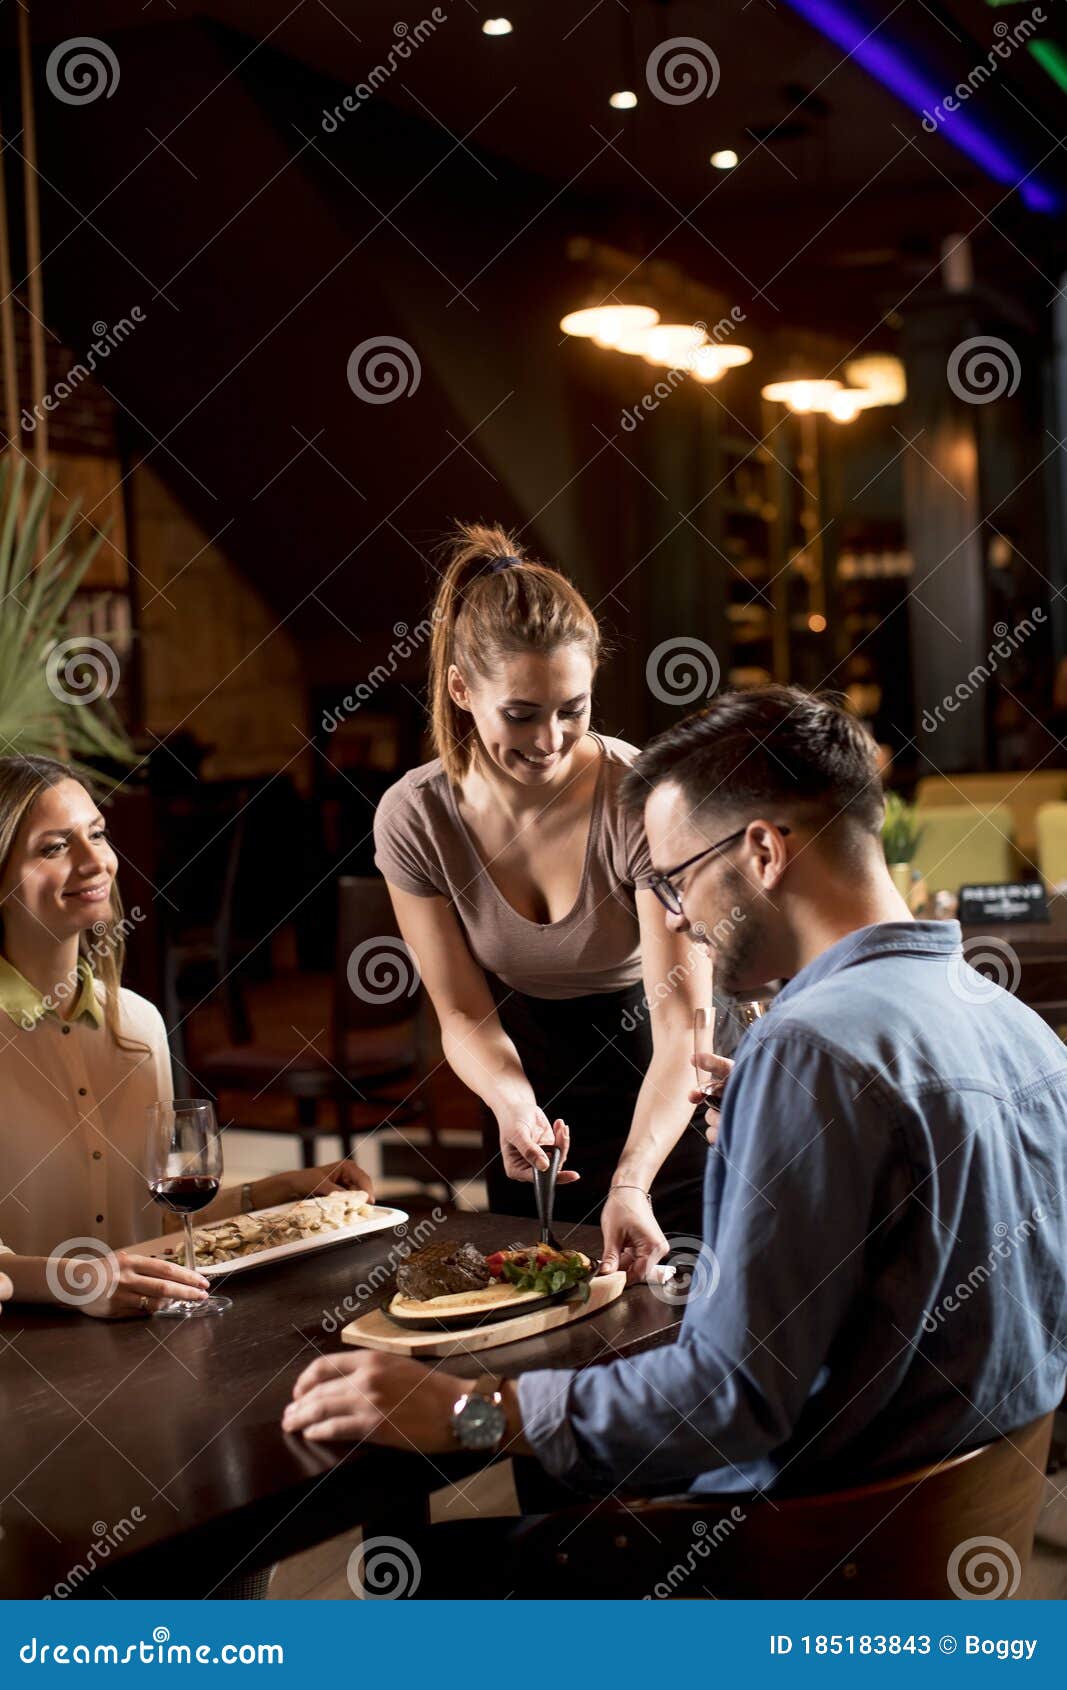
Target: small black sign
(1025,902)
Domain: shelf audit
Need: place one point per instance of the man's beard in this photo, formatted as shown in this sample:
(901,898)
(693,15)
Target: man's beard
(735,957)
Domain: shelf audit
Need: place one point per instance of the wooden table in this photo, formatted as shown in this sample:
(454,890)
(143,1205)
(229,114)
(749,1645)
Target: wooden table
(1041,948)
(180,1421)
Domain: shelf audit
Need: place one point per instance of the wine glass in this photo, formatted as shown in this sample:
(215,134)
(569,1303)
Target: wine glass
(183,1162)
(718,1032)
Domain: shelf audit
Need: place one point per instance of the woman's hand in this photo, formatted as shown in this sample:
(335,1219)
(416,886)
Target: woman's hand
(632,1236)
(6,1289)
(311,1182)
(523,1136)
(121,1283)
(719,1068)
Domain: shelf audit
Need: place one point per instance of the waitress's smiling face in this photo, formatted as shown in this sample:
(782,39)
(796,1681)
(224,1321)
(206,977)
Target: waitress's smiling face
(58,877)
(532,712)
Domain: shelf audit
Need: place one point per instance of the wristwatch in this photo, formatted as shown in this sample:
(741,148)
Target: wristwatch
(478,1418)
(247,1205)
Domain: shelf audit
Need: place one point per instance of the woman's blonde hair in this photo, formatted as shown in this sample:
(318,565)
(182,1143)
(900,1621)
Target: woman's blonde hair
(22,780)
(494,600)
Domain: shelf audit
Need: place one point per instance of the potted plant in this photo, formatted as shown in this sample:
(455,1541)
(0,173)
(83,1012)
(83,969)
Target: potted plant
(55,686)
(901,833)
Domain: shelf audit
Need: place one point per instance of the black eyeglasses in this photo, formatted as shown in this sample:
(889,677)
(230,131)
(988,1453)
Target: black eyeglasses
(663,884)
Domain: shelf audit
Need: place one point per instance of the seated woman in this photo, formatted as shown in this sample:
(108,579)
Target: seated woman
(81,1058)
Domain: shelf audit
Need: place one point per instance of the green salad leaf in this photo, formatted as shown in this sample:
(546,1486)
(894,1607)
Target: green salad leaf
(553,1277)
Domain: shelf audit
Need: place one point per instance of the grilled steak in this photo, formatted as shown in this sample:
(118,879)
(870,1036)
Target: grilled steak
(439,1269)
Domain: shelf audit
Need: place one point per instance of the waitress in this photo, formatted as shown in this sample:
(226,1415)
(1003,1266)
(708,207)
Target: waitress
(564,1002)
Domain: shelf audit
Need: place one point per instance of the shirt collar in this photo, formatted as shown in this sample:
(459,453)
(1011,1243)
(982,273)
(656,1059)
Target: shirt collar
(25,1005)
(885,938)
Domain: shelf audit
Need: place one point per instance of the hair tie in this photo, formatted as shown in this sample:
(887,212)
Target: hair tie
(503,563)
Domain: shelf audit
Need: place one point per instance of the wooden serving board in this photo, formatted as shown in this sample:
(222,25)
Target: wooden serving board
(375,1331)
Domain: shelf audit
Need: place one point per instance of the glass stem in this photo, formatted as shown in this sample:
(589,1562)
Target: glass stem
(190,1247)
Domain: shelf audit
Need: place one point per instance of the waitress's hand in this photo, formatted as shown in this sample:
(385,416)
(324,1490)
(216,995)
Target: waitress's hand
(719,1069)
(632,1236)
(523,1137)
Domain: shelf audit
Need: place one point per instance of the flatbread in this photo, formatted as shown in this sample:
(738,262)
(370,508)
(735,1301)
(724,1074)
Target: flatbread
(246,1235)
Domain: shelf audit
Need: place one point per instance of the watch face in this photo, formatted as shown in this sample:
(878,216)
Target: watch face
(480,1424)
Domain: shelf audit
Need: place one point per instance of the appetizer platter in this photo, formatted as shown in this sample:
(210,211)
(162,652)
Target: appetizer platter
(276,1234)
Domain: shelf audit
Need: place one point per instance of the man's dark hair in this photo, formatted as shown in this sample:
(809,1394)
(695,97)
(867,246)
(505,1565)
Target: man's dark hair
(755,750)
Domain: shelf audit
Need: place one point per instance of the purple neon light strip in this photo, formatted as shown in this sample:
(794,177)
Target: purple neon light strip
(889,66)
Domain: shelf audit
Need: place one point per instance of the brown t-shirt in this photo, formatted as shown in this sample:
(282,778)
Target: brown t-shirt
(422,845)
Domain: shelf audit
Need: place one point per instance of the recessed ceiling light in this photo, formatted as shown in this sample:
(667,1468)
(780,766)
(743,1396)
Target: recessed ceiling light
(497,26)
(725,159)
(623,100)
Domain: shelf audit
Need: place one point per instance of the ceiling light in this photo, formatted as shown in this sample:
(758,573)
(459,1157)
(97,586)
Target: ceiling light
(724,159)
(671,345)
(802,396)
(624,100)
(844,406)
(497,26)
(708,363)
(607,324)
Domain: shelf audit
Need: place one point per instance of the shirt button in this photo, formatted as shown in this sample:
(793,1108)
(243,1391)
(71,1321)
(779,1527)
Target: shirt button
(82,1091)
(97,1155)
(99,1217)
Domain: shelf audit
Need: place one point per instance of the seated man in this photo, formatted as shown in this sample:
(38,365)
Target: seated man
(884,1197)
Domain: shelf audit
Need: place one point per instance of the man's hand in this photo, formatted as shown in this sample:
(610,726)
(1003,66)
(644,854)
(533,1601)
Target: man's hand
(523,1138)
(632,1236)
(719,1069)
(382,1399)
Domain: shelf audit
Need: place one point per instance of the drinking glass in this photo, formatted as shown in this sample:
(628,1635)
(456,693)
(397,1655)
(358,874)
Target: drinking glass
(718,1032)
(183,1163)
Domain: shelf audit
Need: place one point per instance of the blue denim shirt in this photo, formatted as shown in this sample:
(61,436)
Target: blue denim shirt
(884,1211)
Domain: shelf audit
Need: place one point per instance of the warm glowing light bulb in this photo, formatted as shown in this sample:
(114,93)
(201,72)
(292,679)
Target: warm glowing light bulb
(497,26)
(817,624)
(724,159)
(608,324)
(844,407)
(624,100)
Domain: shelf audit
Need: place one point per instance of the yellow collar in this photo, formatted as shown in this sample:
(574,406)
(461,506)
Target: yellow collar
(25,1005)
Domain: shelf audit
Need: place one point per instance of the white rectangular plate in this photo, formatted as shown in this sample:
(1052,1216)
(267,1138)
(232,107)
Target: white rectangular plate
(380,1219)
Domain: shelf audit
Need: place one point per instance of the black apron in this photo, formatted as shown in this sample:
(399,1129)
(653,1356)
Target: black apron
(585,1059)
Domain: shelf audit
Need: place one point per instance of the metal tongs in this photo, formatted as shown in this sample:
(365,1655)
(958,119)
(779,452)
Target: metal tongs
(544,1181)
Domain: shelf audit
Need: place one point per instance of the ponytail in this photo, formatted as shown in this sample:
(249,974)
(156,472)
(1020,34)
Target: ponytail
(493,601)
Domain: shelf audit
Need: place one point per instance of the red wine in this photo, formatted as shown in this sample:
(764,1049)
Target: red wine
(185,1193)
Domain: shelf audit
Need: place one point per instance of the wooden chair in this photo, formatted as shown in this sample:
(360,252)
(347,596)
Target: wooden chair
(369,1064)
(898,1537)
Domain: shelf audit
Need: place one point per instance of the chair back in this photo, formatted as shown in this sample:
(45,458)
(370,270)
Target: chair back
(963,846)
(962,1527)
(376,977)
(1052,843)
(1023,794)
